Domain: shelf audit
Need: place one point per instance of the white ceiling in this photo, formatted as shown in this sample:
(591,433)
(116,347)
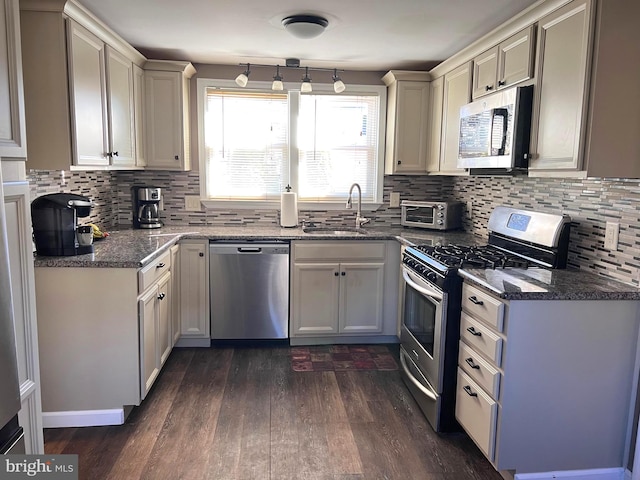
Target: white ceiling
(362,34)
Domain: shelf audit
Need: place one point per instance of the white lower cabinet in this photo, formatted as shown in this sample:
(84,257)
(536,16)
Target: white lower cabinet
(194,290)
(175,289)
(547,385)
(338,290)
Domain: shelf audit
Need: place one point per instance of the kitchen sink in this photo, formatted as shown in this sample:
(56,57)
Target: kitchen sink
(336,231)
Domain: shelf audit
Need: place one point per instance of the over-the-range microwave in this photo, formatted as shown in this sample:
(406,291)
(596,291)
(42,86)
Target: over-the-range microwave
(495,132)
(432,215)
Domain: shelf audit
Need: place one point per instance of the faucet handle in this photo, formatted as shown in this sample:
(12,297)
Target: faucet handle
(361,221)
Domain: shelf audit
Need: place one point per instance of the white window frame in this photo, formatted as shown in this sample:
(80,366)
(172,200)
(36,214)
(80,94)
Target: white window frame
(294,90)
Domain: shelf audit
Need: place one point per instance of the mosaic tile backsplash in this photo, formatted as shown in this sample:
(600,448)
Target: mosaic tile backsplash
(590,203)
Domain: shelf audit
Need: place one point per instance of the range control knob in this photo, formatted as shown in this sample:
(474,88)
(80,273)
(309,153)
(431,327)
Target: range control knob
(432,277)
(440,214)
(440,222)
(440,207)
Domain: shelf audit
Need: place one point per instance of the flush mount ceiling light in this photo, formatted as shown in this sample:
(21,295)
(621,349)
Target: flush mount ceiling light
(305,26)
(292,63)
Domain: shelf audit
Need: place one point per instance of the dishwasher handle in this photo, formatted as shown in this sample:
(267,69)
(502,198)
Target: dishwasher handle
(249,250)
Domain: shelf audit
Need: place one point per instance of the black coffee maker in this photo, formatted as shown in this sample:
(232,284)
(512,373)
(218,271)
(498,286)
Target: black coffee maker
(55,220)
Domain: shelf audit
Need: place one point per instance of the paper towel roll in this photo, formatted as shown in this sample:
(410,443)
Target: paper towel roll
(288,209)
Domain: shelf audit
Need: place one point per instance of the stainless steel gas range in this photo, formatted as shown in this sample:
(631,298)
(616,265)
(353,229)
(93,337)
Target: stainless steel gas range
(431,293)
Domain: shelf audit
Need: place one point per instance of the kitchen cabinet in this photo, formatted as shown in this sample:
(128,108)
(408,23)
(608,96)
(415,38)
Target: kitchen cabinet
(89,123)
(139,115)
(504,65)
(12,115)
(339,290)
(167,114)
(543,357)
(407,118)
(194,293)
(18,216)
(175,288)
(457,92)
(434,128)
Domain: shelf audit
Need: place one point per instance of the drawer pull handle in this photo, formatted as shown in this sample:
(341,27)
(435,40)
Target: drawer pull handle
(471,363)
(161,296)
(473,332)
(160,265)
(475,301)
(467,389)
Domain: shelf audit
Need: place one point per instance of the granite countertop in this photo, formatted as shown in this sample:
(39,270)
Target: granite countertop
(543,284)
(134,248)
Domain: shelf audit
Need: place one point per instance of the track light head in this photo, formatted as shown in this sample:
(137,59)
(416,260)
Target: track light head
(306,82)
(277,80)
(243,78)
(338,84)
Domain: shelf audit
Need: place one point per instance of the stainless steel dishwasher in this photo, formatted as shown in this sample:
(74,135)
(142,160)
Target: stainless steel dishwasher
(249,290)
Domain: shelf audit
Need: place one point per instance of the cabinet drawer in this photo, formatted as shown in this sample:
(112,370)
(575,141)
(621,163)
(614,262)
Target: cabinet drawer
(149,274)
(481,338)
(477,413)
(479,369)
(483,306)
(338,251)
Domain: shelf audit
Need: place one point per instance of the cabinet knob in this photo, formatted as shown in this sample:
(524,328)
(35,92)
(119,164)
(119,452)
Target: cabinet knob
(501,83)
(176,157)
(467,389)
(112,154)
(343,273)
(488,88)
(201,254)
(336,274)
(399,162)
(161,296)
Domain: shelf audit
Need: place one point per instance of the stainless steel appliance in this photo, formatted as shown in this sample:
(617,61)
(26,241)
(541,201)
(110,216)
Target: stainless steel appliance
(431,292)
(433,215)
(55,224)
(146,207)
(495,131)
(11,435)
(249,290)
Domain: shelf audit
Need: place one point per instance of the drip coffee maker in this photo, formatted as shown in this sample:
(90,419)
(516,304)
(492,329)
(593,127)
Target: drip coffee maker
(146,207)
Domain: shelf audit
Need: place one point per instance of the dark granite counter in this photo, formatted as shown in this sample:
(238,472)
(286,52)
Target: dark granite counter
(542,284)
(132,248)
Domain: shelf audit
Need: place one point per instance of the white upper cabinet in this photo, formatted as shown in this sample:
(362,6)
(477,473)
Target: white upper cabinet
(407,119)
(89,123)
(434,128)
(457,93)
(504,65)
(12,118)
(167,114)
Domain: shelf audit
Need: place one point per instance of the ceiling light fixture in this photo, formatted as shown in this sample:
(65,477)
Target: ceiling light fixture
(277,80)
(293,63)
(338,84)
(305,26)
(306,82)
(243,78)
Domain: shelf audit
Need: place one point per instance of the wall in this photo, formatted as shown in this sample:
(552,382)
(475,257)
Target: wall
(590,203)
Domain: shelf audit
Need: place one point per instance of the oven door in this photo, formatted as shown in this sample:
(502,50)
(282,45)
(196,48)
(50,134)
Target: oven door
(424,325)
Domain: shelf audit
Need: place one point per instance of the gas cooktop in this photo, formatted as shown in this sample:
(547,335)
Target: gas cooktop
(478,256)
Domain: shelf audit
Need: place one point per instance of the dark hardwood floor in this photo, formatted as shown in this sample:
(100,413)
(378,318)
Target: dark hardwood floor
(243,413)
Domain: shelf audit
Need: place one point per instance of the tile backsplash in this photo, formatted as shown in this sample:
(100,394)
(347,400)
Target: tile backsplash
(589,202)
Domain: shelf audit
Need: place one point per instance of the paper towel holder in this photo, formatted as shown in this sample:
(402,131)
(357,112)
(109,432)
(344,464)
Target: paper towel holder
(288,208)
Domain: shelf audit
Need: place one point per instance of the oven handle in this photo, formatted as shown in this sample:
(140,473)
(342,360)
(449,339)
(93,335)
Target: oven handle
(415,382)
(425,291)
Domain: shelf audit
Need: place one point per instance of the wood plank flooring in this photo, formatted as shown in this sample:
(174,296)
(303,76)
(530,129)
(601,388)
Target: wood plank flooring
(242,413)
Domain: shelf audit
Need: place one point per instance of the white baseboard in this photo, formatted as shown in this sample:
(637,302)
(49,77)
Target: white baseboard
(193,342)
(596,474)
(83,418)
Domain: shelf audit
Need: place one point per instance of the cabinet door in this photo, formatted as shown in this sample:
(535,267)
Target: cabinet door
(435,124)
(88,99)
(457,92)
(149,358)
(485,71)
(121,108)
(164,109)
(12,119)
(194,289)
(165,333)
(175,297)
(314,298)
(560,98)
(361,294)
(412,104)
(515,58)
(139,115)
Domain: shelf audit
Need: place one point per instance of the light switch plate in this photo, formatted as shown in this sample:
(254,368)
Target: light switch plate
(611,235)
(394,199)
(192,203)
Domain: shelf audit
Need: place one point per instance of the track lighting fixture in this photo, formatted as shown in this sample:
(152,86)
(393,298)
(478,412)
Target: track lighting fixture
(306,82)
(305,87)
(277,80)
(243,78)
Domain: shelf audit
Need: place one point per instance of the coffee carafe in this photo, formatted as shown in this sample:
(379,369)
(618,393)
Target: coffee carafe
(146,207)
(55,224)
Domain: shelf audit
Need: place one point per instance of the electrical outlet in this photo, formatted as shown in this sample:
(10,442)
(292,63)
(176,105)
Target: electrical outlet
(394,199)
(192,203)
(469,209)
(611,235)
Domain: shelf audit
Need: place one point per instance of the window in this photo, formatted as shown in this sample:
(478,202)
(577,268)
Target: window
(254,143)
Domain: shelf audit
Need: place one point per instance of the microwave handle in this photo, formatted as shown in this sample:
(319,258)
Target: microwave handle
(504,113)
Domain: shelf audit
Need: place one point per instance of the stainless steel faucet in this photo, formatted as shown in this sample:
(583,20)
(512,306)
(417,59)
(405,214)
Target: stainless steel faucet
(360,220)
